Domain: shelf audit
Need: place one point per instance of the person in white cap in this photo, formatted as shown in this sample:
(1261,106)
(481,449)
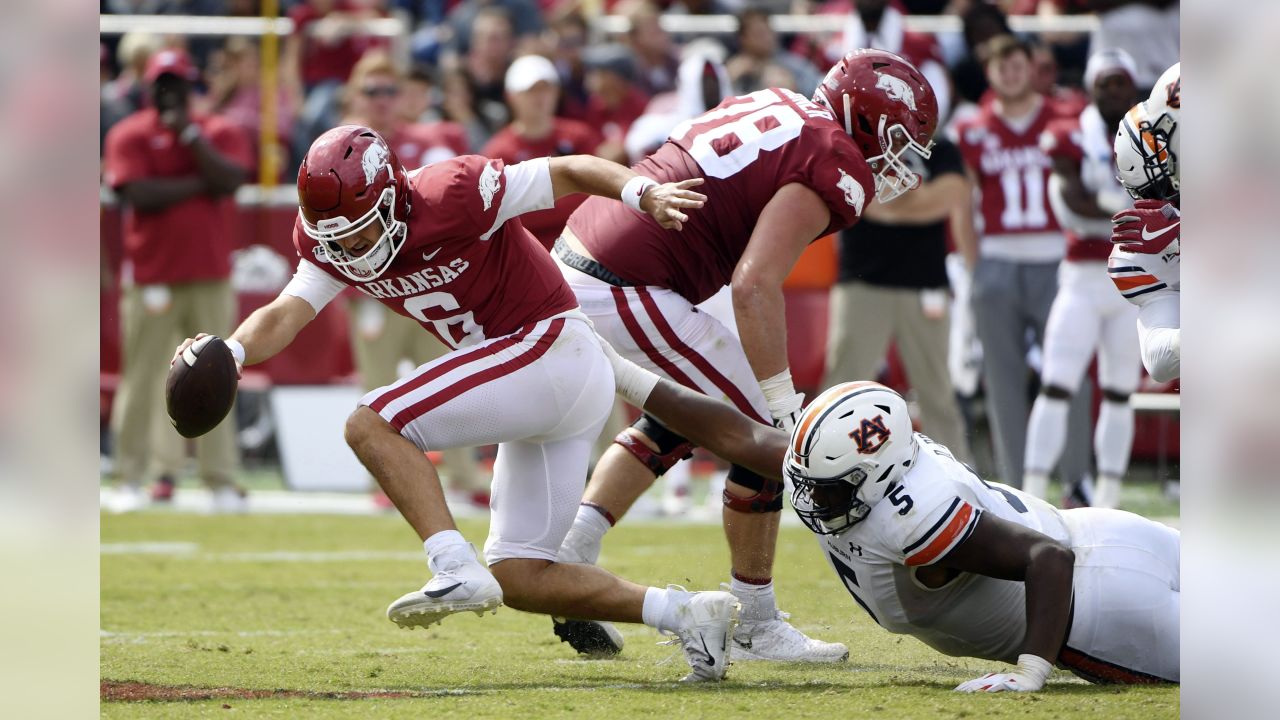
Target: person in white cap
(1087,317)
(533,93)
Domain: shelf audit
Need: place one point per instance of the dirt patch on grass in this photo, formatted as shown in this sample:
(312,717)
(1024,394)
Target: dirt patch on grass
(119,691)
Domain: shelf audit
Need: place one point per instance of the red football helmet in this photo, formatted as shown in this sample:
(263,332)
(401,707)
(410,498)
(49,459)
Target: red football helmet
(349,180)
(887,107)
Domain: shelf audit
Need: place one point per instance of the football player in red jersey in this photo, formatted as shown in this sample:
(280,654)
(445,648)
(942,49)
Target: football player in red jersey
(1015,277)
(1086,316)
(781,171)
(443,244)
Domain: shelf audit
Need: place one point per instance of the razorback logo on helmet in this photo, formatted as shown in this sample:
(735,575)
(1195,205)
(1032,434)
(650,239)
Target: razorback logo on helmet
(897,89)
(853,193)
(489,184)
(1173,93)
(870,435)
(374,160)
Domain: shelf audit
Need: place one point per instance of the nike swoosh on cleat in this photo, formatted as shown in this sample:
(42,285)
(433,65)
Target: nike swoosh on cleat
(441,593)
(1146,236)
(710,661)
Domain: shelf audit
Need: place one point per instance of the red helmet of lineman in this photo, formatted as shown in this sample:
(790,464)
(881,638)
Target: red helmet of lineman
(887,107)
(349,180)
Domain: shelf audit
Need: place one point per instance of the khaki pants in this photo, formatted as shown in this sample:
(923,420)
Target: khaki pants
(153,320)
(864,318)
(382,339)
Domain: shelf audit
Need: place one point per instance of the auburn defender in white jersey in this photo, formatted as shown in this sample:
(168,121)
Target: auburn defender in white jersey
(929,549)
(1087,317)
(1146,262)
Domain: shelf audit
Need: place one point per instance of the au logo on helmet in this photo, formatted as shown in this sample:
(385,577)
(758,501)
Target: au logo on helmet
(897,89)
(870,435)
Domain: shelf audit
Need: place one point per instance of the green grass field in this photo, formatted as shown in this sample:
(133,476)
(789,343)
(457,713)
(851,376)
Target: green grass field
(282,616)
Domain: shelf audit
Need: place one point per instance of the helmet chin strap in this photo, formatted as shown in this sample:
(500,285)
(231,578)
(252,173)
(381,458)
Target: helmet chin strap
(848,113)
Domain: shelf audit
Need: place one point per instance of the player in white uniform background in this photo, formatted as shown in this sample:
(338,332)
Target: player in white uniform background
(1087,315)
(929,549)
(1146,262)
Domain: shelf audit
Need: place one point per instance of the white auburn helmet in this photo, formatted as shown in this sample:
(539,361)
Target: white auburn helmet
(1147,144)
(851,445)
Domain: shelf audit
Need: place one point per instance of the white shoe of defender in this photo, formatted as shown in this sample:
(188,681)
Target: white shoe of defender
(706,620)
(779,641)
(456,586)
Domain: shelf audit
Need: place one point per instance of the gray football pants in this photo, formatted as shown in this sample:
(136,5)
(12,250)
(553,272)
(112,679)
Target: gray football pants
(1011,302)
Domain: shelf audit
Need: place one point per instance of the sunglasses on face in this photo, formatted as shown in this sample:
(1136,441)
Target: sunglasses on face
(373,91)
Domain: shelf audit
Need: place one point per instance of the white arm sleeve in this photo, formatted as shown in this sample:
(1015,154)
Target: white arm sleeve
(1160,334)
(311,284)
(528,189)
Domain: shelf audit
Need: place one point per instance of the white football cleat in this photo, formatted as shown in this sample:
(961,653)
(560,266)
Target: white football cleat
(779,641)
(707,620)
(230,500)
(457,586)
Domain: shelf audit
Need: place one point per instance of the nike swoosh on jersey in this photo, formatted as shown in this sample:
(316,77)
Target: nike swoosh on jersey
(441,592)
(427,257)
(1146,236)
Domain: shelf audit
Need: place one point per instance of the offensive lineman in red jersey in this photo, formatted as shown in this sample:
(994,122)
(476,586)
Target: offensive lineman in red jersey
(443,244)
(782,171)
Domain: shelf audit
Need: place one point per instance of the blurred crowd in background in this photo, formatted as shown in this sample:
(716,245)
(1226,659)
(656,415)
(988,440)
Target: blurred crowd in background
(517,79)
(450,63)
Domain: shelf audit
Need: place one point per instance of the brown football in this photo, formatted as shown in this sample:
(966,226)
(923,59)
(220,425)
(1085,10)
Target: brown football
(201,387)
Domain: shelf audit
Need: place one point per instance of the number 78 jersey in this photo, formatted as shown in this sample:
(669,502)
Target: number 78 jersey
(746,148)
(934,508)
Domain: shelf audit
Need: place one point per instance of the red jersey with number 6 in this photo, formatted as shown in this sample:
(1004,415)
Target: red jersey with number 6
(746,148)
(468,270)
(1013,173)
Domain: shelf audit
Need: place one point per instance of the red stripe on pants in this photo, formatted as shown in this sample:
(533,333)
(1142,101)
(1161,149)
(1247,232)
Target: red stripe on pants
(637,333)
(722,383)
(449,365)
(426,405)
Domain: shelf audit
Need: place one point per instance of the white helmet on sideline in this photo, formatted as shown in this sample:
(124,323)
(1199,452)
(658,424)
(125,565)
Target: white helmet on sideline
(852,444)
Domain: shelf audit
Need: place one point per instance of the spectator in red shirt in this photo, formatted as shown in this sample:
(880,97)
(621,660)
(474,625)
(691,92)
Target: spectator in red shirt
(176,171)
(372,98)
(614,101)
(235,93)
(328,38)
(533,90)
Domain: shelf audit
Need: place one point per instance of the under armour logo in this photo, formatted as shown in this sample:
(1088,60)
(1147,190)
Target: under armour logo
(870,435)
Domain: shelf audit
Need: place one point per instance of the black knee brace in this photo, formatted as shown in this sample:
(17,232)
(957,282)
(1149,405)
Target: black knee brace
(1055,392)
(1115,396)
(768,497)
(672,448)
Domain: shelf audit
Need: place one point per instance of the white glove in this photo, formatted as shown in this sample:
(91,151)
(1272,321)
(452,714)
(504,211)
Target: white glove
(784,402)
(1029,677)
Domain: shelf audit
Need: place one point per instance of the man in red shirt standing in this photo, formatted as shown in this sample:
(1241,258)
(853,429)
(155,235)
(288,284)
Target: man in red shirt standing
(176,172)
(533,90)
(1015,277)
